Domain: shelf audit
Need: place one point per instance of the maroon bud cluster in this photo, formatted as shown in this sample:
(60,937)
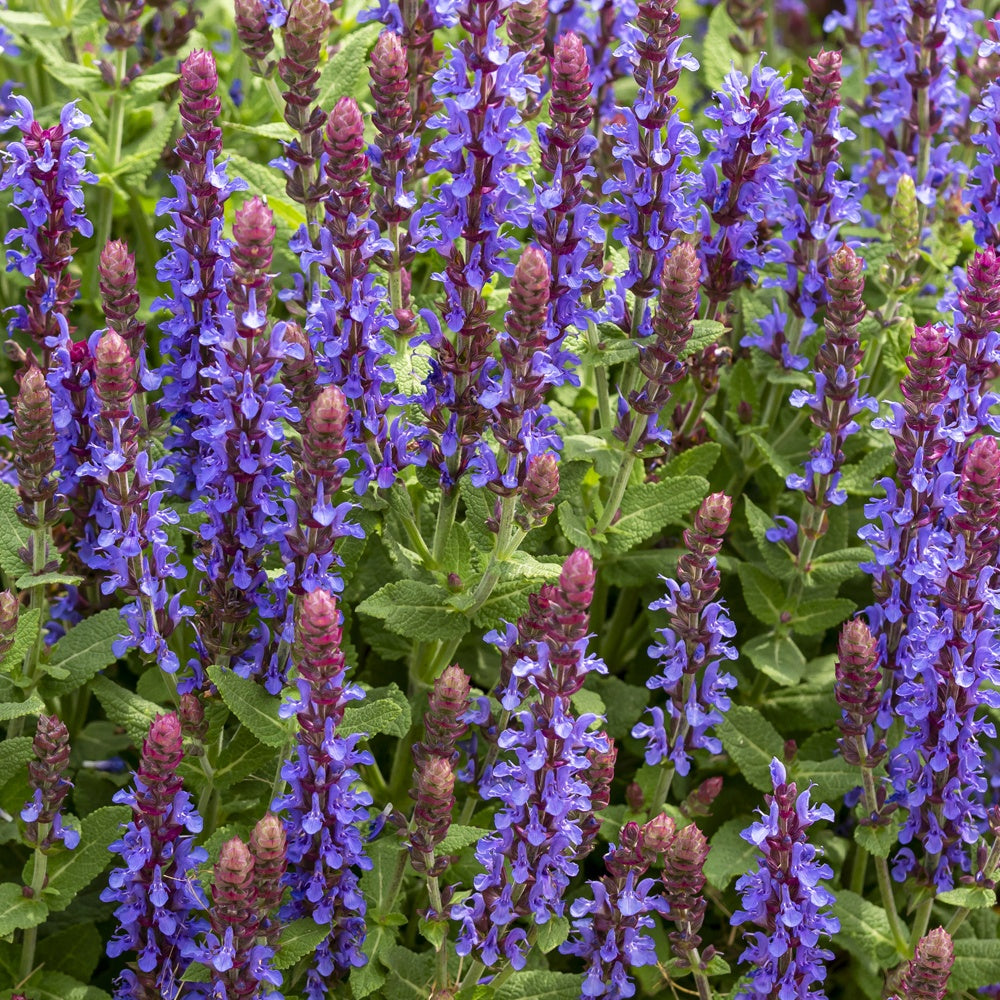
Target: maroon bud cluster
(443,725)
(194,725)
(123,22)
(35,450)
(120,297)
(320,662)
(434,797)
(47,778)
(927,974)
(683,886)
(541,487)
(700,801)
(980,306)
(268,846)
(599,777)
(857,692)
(255,35)
(526,24)
(299,374)
(979,488)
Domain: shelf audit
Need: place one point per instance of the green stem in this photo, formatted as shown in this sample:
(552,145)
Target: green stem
(395,274)
(396,882)
(116,134)
(662,790)
(620,484)
(700,979)
(859,870)
(600,380)
(920,923)
(437,908)
(37,885)
(442,528)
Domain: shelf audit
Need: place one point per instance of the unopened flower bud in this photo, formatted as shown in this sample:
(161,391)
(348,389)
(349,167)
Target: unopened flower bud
(123,22)
(119,294)
(569,107)
(9,611)
(254,32)
(529,295)
(857,686)
(443,725)
(345,145)
(927,974)
(34,442)
(46,775)
(299,374)
(114,376)
(323,442)
(317,638)
(904,219)
(657,836)
(253,236)
(526,22)
(200,106)
(700,801)
(845,285)
(433,792)
(979,490)
(194,725)
(541,487)
(635,797)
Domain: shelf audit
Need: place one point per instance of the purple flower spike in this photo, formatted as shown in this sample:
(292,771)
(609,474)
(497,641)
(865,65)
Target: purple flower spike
(324,810)
(46,169)
(157,890)
(539,835)
(610,928)
(784,899)
(693,647)
(50,786)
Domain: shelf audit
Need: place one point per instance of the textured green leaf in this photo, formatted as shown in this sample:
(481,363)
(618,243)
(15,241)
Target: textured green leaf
(84,651)
(833,568)
(696,461)
(815,617)
(977,963)
(864,929)
(459,837)
(705,332)
(971,897)
(730,855)
(32,705)
(58,986)
(252,705)
(717,52)
(859,479)
(624,703)
(13,535)
(409,973)
(384,710)
(370,977)
(574,527)
(76,950)
(416,610)
(649,507)
(71,871)
(879,841)
(551,934)
(14,756)
(299,938)
(346,74)
(833,778)
(30,580)
(764,596)
(244,755)
(778,462)
(17,912)
(265,181)
(777,656)
(540,986)
(28,624)
(752,742)
(125,708)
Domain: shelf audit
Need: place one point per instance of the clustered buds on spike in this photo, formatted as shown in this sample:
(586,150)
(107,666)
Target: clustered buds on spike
(444,724)
(35,451)
(541,487)
(299,372)
(683,884)
(858,694)
(927,973)
(123,22)
(268,845)
(526,24)
(120,297)
(50,786)
(255,34)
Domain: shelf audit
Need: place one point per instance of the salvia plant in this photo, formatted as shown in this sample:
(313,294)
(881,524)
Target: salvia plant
(500,499)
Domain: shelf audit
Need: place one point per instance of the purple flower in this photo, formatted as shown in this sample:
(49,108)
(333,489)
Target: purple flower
(610,927)
(157,891)
(324,810)
(783,897)
(540,782)
(196,266)
(692,648)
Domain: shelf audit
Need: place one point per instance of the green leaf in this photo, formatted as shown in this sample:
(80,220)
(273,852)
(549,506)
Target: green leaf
(977,963)
(269,130)
(971,897)
(730,855)
(833,568)
(346,74)
(705,333)
(717,53)
(815,617)
(551,934)
(28,625)
(696,461)
(13,535)
(879,841)
(409,973)
(17,912)
(14,756)
(244,755)
(59,986)
(764,596)
(648,507)
(859,479)
(76,949)
(624,703)
(752,742)
(384,710)
(69,872)
(574,527)
(299,938)
(833,778)
(30,580)
(376,884)
(777,656)
(16,709)
(141,157)
(541,986)
(458,837)
(864,929)
(776,557)
(587,702)
(252,705)
(416,610)
(84,80)
(151,83)
(84,651)
(125,708)
(776,461)
(369,977)
(265,181)
(30,25)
